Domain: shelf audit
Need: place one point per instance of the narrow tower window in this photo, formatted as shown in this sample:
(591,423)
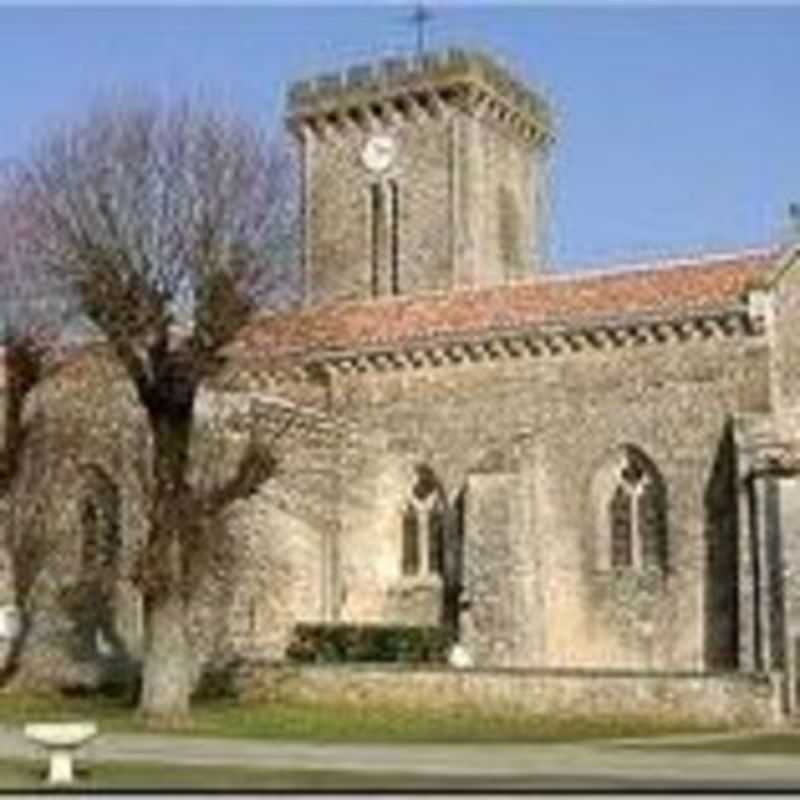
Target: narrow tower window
(394,234)
(376,236)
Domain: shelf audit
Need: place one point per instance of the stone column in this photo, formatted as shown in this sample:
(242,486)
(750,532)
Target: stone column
(529,646)
(747,592)
(769,548)
(773,522)
(489,519)
(789,584)
(756,569)
(761,574)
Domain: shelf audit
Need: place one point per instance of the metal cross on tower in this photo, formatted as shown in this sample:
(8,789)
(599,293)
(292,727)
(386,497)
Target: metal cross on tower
(420,17)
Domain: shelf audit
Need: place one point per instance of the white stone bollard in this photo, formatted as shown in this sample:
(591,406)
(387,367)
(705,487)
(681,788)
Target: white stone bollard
(460,657)
(61,740)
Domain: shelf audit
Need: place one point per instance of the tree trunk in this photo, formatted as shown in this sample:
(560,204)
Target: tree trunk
(167,668)
(167,672)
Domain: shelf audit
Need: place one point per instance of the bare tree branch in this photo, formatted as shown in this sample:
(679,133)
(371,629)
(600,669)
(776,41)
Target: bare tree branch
(255,467)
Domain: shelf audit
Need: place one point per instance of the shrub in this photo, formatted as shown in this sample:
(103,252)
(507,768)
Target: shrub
(335,644)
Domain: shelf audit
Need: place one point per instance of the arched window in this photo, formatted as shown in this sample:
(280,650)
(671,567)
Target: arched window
(424,526)
(634,518)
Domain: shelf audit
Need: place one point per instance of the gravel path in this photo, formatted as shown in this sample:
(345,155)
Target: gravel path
(623,764)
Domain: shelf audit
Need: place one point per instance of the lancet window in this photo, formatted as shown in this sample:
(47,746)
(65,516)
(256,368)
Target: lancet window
(637,513)
(423,526)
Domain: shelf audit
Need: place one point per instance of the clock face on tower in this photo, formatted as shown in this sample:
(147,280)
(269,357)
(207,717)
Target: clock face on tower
(378,153)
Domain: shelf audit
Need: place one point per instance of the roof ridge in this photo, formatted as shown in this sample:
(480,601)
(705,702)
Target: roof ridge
(696,261)
(688,262)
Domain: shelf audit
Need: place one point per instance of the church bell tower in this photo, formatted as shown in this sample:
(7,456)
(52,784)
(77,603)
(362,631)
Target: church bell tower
(419,174)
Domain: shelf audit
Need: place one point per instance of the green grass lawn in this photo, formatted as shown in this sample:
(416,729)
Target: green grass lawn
(335,723)
(338,723)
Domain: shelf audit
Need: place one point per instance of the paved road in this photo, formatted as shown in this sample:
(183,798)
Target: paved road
(619,764)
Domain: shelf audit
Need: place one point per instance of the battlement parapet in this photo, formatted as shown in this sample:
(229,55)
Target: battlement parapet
(454,67)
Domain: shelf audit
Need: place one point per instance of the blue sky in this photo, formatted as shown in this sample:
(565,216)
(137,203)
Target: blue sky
(679,127)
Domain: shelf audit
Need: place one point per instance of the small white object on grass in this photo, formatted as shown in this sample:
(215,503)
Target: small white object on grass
(460,657)
(61,740)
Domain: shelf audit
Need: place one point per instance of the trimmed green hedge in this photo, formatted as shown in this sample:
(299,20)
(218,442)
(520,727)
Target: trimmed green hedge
(336,644)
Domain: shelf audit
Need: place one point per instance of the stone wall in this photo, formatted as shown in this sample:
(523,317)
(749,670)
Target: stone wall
(516,444)
(266,569)
(706,699)
(552,423)
(86,445)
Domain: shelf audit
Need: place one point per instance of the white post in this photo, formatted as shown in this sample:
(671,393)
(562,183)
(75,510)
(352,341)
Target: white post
(60,766)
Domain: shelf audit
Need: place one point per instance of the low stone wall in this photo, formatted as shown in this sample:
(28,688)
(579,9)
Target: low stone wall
(724,698)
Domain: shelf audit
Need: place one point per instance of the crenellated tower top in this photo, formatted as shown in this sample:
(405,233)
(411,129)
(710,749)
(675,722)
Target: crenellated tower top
(470,80)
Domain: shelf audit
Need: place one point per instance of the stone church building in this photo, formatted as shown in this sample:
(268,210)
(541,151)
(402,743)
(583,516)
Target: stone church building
(593,470)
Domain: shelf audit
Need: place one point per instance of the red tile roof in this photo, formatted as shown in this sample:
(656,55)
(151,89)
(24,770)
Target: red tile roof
(669,288)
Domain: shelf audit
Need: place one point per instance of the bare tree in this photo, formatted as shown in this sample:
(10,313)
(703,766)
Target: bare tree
(25,336)
(29,329)
(166,226)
